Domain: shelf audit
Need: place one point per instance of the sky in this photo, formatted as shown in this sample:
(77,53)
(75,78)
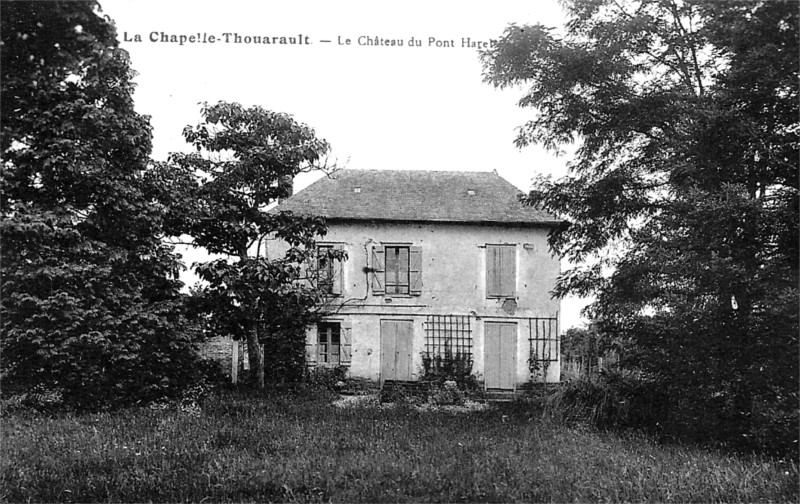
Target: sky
(379,106)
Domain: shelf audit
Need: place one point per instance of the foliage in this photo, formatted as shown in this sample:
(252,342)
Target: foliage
(611,400)
(681,206)
(91,313)
(446,394)
(329,378)
(456,367)
(291,448)
(245,160)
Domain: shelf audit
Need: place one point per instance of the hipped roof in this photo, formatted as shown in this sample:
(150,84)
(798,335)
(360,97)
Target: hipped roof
(416,196)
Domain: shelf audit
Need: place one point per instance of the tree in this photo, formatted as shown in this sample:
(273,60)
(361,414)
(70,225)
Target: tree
(91,310)
(245,161)
(681,206)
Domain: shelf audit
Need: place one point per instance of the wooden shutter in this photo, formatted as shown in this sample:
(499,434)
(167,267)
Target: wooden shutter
(501,270)
(378,270)
(338,267)
(508,272)
(415,271)
(346,345)
(492,271)
(312,337)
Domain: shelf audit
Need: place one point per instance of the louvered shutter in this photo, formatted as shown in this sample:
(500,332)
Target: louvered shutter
(378,271)
(338,267)
(346,346)
(415,271)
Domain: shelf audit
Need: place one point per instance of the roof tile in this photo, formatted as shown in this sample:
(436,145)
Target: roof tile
(416,195)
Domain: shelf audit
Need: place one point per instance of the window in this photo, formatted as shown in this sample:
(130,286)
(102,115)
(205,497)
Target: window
(397,270)
(330,346)
(325,269)
(501,271)
(328,270)
(329,343)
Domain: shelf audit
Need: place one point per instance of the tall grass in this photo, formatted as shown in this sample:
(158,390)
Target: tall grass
(299,448)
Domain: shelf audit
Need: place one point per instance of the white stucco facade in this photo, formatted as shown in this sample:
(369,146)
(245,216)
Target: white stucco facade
(453,263)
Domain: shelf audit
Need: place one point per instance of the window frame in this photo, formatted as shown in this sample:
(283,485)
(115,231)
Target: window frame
(380,272)
(397,271)
(324,357)
(328,279)
(334,277)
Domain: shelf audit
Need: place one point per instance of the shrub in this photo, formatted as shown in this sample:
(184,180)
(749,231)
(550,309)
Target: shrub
(447,394)
(613,399)
(328,378)
(449,367)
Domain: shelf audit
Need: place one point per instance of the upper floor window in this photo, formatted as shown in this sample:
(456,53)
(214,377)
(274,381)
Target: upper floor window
(325,269)
(397,269)
(328,272)
(501,271)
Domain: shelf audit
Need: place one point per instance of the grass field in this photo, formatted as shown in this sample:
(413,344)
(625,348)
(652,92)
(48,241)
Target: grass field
(301,448)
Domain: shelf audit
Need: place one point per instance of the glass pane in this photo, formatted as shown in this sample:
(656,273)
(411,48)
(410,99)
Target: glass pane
(402,261)
(397,267)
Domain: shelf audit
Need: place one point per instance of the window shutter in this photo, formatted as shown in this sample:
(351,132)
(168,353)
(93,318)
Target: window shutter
(346,347)
(508,272)
(338,267)
(492,271)
(377,270)
(415,271)
(501,270)
(311,347)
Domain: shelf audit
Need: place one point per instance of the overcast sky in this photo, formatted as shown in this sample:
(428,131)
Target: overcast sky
(379,106)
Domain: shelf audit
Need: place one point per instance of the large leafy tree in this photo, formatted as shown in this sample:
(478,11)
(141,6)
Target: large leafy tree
(681,206)
(90,304)
(219,196)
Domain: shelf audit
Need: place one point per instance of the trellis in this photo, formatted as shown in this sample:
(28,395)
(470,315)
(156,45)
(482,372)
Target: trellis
(448,335)
(543,339)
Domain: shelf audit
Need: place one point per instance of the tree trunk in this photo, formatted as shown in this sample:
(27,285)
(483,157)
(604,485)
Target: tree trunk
(256,360)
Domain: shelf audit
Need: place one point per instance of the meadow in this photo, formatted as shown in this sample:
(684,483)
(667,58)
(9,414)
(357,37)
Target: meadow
(305,448)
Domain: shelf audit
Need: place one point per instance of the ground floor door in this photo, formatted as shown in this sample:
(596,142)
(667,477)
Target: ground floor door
(500,355)
(396,350)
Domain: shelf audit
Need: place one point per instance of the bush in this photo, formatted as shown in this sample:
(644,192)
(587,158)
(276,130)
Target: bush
(328,378)
(447,394)
(449,367)
(611,400)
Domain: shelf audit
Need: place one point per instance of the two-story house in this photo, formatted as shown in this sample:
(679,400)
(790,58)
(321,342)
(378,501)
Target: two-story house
(439,262)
